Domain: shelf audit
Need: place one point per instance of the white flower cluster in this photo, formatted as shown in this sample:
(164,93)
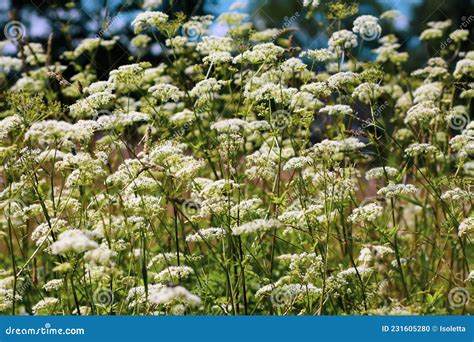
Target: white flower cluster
(73,241)
(259,225)
(167,295)
(149,19)
(342,40)
(225,164)
(394,190)
(367,27)
(206,234)
(336,110)
(368,213)
(173,274)
(311,3)
(381,173)
(466,227)
(261,53)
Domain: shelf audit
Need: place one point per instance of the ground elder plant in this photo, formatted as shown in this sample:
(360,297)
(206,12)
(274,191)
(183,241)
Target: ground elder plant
(239,175)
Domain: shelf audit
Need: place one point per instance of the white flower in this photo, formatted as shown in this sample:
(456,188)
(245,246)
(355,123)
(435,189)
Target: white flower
(318,89)
(466,226)
(137,295)
(212,44)
(53,285)
(232,18)
(367,92)
(149,19)
(173,273)
(230,126)
(218,57)
(418,149)
(100,256)
(329,149)
(259,225)
(440,25)
(99,86)
(362,270)
(296,163)
(305,266)
(293,290)
(265,35)
(464,67)
(264,290)
(428,92)
(459,35)
(334,110)
(320,55)
(90,105)
(260,125)
(457,194)
(128,76)
(8,64)
(184,117)
(46,306)
(165,92)
(9,124)
(394,190)
(206,234)
(421,113)
(431,34)
(292,217)
(260,53)
(246,208)
(86,45)
(342,40)
(311,3)
(381,173)
(73,240)
(166,295)
(371,252)
(43,231)
(390,15)
(367,26)
(369,212)
(206,87)
(342,79)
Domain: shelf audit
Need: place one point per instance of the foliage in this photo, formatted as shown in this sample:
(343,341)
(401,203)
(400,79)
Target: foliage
(198,185)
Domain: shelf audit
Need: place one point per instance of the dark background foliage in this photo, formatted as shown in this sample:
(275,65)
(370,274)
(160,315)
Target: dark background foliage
(70,21)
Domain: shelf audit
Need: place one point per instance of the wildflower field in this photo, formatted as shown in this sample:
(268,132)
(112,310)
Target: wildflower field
(239,174)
